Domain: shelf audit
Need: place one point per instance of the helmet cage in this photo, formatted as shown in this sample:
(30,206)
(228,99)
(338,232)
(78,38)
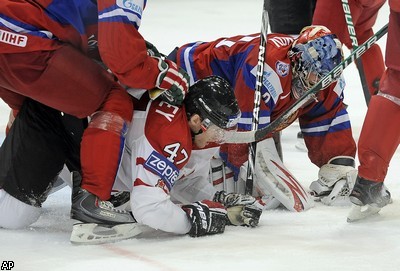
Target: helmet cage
(312,61)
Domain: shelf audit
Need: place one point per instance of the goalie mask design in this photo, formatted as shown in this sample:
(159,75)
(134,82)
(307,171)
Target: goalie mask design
(313,55)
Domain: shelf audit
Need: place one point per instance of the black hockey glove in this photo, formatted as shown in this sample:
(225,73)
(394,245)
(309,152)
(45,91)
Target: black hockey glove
(207,217)
(243,210)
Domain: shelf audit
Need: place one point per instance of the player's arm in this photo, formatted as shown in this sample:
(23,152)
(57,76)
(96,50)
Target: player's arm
(161,156)
(123,50)
(326,126)
(152,206)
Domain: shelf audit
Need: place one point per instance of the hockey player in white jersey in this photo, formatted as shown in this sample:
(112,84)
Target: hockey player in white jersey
(159,143)
(158,146)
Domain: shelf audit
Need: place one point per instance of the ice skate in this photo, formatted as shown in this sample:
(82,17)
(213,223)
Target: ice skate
(368,198)
(98,221)
(120,199)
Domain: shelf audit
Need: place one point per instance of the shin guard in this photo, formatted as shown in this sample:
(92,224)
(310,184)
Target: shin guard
(103,142)
(379,139)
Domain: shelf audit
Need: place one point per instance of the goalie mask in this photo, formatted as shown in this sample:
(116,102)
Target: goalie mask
(313,55)
(213,99)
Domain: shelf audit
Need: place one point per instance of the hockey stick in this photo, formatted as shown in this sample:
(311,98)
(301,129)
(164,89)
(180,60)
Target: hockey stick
(354,43)
(257,101)
(332,76)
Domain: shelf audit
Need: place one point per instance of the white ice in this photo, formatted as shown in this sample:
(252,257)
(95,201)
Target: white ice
(319,239)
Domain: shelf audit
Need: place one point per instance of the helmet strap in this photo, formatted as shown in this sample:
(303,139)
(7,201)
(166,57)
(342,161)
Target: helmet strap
(195,134)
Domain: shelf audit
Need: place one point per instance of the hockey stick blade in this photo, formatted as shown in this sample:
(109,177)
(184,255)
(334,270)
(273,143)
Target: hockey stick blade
(251,136)
(94,234)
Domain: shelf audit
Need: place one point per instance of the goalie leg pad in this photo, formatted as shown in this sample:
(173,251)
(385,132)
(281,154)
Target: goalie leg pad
(274,177)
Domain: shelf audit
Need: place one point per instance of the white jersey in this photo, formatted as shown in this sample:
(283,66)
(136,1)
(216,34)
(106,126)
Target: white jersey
(157,147)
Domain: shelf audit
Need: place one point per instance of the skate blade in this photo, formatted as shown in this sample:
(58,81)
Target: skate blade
(93,234)
(358,213)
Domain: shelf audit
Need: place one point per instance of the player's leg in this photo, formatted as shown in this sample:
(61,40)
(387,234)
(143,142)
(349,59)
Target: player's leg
(364,14)
(69,81)
(289,16)
(379,138)
(101,149)
(31,156)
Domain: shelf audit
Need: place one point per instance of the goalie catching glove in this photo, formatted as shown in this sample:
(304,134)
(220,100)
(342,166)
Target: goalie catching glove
(173,80)
(207,217)
(243,210)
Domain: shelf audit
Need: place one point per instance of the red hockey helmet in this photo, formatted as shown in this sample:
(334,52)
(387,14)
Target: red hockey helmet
(312,32)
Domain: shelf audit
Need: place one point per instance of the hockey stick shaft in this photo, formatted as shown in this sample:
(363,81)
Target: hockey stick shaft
(332,76)
(257,101)
(354,43)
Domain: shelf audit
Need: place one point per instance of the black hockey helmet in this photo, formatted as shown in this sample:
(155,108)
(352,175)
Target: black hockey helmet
(213,98)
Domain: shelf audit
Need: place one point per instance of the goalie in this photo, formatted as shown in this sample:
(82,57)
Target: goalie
(292,67)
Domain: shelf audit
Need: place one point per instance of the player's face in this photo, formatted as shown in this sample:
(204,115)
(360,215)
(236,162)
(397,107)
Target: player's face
(213,134)
(313,78)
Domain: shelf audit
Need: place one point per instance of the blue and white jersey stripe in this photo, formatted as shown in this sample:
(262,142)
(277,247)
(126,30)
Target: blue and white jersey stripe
(246,120)
(125,11)
(22,28)
(187,61)
(339,123)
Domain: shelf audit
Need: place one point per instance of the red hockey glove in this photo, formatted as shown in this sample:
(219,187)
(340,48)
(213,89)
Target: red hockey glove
(173,80)
(207,217)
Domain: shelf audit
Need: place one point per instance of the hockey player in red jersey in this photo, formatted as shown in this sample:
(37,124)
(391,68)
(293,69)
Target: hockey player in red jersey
(47,48)
(380,135)
(292,67)
(363,17)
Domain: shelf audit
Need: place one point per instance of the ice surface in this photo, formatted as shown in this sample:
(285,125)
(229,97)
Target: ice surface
(319,239)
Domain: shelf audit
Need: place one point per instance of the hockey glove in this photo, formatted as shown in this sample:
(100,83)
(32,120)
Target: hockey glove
(173,80)
(207,217)
(152,50)
(243,210)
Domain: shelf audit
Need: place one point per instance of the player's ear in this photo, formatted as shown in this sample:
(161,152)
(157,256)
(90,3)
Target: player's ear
(195,119)
(195,122)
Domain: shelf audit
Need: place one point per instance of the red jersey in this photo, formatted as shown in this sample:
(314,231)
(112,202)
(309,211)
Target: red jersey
(109,27)
(324,123)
